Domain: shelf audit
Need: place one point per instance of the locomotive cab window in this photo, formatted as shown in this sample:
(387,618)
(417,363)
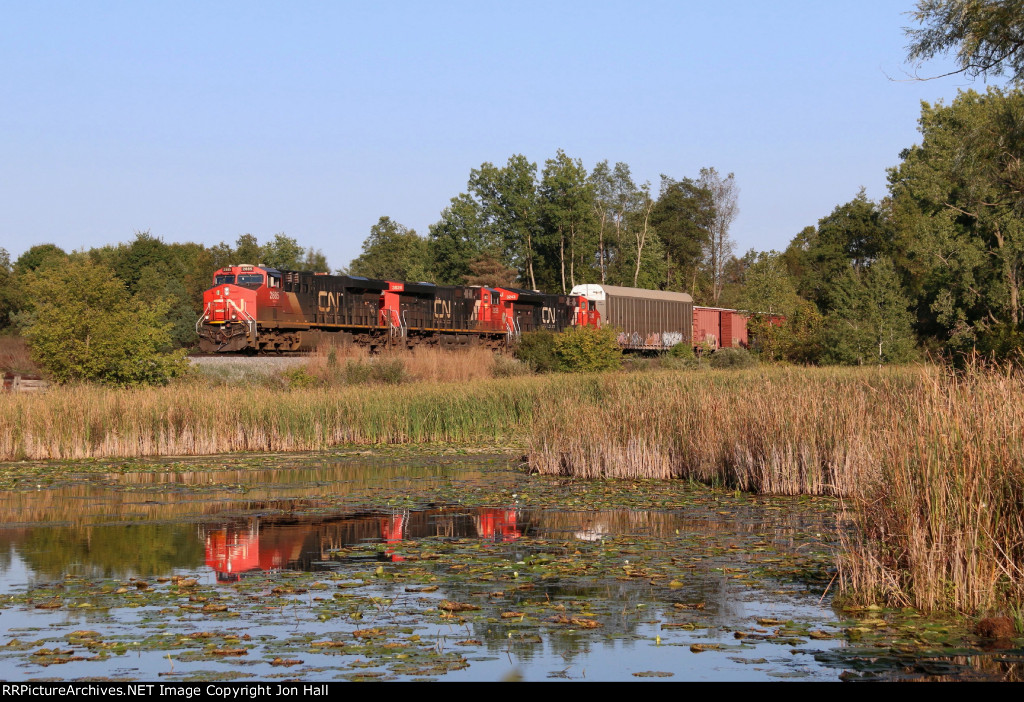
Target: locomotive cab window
(274,281)
(250,280)
(225,280)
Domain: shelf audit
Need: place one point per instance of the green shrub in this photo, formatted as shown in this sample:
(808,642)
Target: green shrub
(390,371)
(357,372)
(81,324)
(588,350)
(299,377)
(537,351)
(732,358)
(670,362)
(683,349)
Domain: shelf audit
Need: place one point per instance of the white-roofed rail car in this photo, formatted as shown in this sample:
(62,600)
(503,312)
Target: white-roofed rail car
(647,320)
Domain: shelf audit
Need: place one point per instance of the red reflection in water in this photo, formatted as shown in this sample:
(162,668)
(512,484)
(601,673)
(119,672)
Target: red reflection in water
(233,550)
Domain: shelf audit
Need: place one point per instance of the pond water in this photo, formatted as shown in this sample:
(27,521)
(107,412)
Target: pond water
(454,568)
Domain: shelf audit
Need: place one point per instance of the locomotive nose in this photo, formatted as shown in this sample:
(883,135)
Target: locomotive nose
(219,309)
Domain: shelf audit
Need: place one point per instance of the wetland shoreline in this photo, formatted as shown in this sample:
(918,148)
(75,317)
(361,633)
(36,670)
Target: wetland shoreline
(932,484)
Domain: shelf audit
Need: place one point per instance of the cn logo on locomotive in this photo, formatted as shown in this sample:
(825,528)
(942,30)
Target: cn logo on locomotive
(328,301)
(442,309)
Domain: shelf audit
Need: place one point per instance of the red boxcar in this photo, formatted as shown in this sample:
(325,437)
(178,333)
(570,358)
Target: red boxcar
(718,328)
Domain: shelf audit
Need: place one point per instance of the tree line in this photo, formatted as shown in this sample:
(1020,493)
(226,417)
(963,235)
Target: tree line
(565,226)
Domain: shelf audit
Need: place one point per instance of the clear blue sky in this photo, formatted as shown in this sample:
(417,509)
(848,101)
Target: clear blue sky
(204,121)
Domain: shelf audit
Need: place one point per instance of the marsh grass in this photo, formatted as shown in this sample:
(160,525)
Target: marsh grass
(779,431)
(75,422)
(338,366)
(929,464)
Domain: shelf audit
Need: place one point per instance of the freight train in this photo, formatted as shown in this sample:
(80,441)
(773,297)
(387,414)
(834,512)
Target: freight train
(261,309)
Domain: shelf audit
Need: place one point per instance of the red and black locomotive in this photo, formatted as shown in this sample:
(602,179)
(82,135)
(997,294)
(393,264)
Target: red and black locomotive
(256,308)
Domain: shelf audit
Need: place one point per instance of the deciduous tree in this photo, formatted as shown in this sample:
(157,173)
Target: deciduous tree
(986,36)
(568,219)
(81,324)
(392,252)
(725,196)
(958,193)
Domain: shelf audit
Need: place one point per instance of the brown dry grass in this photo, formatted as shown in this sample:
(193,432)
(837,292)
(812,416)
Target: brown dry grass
(74,422)
(930,464)
(779,431)
(15,356)
(332,364)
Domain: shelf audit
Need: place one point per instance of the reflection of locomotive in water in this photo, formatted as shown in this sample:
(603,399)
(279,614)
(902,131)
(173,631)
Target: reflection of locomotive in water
(275,543)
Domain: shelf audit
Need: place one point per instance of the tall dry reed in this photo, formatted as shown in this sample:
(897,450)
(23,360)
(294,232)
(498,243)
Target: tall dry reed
(74,422)
(768,430)
(942,527)
(332,365)
(930,464)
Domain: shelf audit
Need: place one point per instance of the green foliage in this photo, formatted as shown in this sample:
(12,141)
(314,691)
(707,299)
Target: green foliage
(456,240)
(567,213)
(767,286)
(537,350)
(985,35)
(682,350)
(958,197)
(732,358)
(158,285)
(852,236)
(8,295)
(392,252)
(508,213)
(1002,343)
(683,217)
(81,325)
(509,367)
(283,253)
(871,323)
(299,378)
(799,339)
(389,371)
(588,350)
(145,252)
(314,260)
(39,256)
